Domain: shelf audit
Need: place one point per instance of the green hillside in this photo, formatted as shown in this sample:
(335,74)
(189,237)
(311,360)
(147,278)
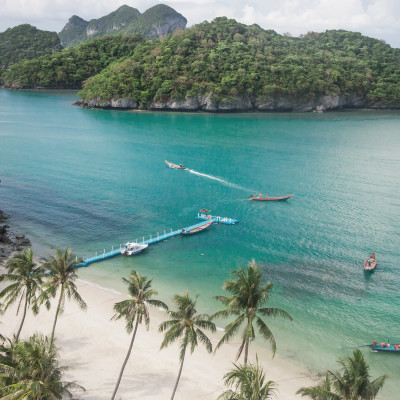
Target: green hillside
(159,20)
(153,23)
(26,42)
(70,67)
(75,28)
(225,60)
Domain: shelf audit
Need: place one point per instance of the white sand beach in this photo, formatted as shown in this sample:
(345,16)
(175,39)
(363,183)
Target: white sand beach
(94,347)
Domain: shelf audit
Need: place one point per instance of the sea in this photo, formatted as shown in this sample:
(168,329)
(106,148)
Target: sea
(95,179)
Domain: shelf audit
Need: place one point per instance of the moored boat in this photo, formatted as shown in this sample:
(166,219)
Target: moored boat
(266,198)
(133,248)
(385,347)
(197,229)
(370,263)
(175,166)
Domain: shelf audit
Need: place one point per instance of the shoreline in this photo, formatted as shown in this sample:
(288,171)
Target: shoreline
(94,346)
(95,356)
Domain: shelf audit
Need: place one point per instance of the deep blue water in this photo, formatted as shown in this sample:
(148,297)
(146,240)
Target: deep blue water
(93,179)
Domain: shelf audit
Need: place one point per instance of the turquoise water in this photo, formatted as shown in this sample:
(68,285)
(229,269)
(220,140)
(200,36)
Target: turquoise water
(93,179)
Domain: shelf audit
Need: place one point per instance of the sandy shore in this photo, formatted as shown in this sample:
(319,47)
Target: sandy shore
(94,348)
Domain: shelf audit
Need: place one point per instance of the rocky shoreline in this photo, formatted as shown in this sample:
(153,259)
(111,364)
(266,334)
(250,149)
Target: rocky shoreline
(10,241)
(241,103)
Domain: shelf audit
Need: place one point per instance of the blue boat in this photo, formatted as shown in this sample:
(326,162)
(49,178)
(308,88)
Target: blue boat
(385,347)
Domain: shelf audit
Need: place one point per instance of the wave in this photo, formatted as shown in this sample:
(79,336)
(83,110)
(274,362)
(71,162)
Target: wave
(215,178)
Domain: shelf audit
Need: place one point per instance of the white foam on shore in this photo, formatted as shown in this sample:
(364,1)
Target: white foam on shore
(99,287)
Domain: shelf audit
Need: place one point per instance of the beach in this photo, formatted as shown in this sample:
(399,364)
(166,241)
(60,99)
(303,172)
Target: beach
(94,347)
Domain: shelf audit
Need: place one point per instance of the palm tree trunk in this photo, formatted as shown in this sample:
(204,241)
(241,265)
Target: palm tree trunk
(55,319)
(23,319)
(126,359)
(246,351)
(179,375)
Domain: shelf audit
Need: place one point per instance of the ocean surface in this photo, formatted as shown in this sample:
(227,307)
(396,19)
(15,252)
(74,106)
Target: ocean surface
(93,179)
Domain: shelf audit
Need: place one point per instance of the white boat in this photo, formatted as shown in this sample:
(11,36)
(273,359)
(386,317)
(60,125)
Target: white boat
(133,248)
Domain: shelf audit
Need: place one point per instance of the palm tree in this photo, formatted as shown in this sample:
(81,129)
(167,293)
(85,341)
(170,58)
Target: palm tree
(61,275)
(30,370)
(351,383)
(26,277)
(135,309)
(249,383)
(185,327)
(248,294)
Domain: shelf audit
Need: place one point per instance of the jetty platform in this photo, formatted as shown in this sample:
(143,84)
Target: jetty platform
(206,218)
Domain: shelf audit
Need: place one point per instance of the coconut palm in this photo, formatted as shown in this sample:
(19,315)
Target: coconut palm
(135,310)
(248,294)
(30,370)
(248,383)
(186,327)
(351,383)
(61,275)
(26,277)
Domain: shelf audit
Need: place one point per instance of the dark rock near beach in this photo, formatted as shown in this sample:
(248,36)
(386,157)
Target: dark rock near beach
(9,241)
(3,216)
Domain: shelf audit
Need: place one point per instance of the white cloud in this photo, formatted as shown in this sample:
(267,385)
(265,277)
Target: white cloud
(376,18)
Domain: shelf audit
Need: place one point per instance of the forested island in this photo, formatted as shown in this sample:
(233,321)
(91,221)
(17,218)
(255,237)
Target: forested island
(26,42)
(227,66)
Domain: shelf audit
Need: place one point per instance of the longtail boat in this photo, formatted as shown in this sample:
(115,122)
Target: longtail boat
(197,229)
(175,166)
(370,263)
(386,347)
(266,198)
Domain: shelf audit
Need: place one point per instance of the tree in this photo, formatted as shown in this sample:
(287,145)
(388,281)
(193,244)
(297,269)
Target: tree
(351,383)
(30,370)
(135,309)
(61,275)
(248,294)
(248,383)
(26,277)
(185,326)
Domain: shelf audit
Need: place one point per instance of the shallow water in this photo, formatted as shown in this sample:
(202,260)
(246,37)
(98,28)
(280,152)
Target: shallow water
(93,179)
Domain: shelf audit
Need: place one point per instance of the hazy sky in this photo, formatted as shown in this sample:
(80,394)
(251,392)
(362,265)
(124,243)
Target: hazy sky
(376,18)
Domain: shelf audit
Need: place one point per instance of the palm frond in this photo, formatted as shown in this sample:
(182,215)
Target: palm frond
(266,333)
(230,330)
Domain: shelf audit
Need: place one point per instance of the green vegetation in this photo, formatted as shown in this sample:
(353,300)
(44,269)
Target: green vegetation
(248,383)
(77,30)
(61,276)
(75,27)
(222,60)
(140,289)
(149,24)
(70,67)
(25,42)
(351,383)
(156,21)
(186,327)
(226,59)
(248,294)
(26,279)
(30,370)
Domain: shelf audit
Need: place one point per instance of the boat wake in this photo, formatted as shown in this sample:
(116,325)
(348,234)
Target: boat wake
(223,181)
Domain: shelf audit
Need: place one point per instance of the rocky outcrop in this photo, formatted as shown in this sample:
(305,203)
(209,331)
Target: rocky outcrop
(243,103)
(170,24)
(10,241)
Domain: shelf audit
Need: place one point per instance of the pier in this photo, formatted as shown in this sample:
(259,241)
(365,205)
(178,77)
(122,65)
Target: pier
(206,218)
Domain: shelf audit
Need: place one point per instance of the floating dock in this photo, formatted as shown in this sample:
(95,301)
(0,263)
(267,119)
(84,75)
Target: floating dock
(206,218)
